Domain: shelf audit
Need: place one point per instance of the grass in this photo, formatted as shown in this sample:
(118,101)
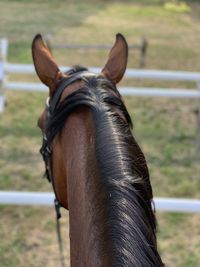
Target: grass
(165,128)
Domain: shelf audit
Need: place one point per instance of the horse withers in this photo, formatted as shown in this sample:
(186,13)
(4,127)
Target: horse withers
(98,171)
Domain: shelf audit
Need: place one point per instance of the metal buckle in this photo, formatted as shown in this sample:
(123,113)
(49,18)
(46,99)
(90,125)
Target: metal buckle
(47,102)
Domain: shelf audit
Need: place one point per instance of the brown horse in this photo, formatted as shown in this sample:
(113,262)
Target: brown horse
(98,171)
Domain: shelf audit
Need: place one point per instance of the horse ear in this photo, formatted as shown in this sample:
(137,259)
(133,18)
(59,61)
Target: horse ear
(45,66)
(117,60)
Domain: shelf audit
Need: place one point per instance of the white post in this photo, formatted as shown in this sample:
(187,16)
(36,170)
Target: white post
(198,125)
(3,58)
(4,49)
(1,86)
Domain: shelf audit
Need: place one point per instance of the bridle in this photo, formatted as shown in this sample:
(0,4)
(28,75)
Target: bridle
(46,149)
(51,105)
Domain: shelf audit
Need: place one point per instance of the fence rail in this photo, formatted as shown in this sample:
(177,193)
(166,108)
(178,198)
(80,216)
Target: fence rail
(47,199)
(126,91)
(130,73)
(10,68)
(142,47)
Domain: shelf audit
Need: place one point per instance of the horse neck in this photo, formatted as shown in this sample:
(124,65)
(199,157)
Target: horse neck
(82,179)
(106,229)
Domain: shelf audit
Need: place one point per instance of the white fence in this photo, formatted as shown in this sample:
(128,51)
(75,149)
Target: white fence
(47,199)
(130,73)
(28,198)
(7,68)
(3,56)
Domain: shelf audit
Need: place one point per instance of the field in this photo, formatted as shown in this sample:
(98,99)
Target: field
(165,128)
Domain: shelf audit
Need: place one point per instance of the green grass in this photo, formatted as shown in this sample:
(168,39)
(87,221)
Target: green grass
(165,128)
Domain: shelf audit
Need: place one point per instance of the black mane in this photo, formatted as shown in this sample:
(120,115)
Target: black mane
(123,171)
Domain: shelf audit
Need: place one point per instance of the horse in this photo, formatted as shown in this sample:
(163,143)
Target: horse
(98,171)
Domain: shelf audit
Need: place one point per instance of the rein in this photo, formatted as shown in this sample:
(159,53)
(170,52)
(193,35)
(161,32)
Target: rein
(46,149)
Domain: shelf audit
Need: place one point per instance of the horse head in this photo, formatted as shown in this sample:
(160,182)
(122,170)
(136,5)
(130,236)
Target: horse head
(49,73)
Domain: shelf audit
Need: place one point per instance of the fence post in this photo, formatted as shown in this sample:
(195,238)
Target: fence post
(3,57)
(1,86)
(198,124)
(143,51)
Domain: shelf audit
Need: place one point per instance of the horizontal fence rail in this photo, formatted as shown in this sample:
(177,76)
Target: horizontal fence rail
(47,199)
(127,91)
(79,46)
(130,73)
(160,92)
(141,47)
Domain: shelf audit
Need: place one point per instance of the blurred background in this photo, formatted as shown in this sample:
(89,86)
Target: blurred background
(166,128)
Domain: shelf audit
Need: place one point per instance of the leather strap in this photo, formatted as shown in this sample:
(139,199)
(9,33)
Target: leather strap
(59,236)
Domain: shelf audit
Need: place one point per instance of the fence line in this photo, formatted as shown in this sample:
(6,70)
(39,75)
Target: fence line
(47,199)
(142,47)
(130,73)
(11,68)
(165,204)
